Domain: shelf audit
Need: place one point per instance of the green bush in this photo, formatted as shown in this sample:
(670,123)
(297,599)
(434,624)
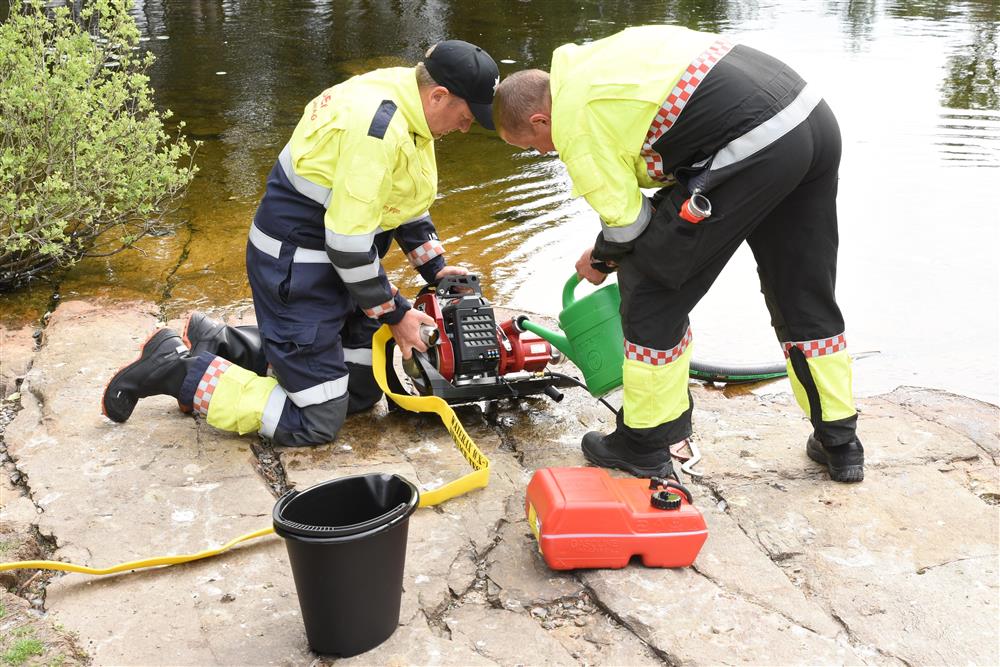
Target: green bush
(86,166)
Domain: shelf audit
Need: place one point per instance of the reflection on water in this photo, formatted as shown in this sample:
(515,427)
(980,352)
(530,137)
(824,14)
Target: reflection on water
(914,85)
(968,136)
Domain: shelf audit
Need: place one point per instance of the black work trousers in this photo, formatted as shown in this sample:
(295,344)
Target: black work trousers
(782,202)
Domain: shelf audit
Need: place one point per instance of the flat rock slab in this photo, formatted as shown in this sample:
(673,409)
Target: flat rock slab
(901,569)
(906,561)
(160,484)
(689,619)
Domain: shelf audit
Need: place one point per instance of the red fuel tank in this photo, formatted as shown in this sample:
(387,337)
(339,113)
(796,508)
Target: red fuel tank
(584,518)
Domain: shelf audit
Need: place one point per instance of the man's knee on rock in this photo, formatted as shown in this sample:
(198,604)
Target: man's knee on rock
(312,425)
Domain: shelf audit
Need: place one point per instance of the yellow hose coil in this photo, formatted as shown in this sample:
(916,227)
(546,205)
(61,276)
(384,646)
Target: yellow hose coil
(477,479)
(480,475)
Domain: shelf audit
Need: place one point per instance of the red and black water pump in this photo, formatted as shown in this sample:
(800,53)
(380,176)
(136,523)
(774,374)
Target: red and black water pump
(470,356)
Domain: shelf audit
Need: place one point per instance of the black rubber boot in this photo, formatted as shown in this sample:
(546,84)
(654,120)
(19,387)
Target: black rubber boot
(846,463)
(615,451)
(160,369)
(240,345)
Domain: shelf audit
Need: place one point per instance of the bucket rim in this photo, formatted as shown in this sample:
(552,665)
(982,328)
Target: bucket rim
(383,521)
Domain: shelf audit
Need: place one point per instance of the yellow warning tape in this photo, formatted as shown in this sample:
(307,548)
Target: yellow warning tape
(477,479)
(480,475)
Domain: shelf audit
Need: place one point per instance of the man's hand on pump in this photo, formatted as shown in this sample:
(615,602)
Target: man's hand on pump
(407,332)
(452,271)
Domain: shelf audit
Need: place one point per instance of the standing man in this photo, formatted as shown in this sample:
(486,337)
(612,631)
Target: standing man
(358,172)
(742,149)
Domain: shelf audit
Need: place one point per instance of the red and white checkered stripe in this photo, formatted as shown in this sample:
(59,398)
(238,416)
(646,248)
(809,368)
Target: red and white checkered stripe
(648,355)
(817,348)
(381,309)
(206,387)
(425,253)
(671,108)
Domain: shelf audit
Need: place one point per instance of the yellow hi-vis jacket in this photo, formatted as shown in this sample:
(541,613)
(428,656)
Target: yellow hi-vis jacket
(604,97)
(374,181)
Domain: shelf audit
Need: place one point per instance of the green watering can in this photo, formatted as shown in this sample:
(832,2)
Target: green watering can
(594,340)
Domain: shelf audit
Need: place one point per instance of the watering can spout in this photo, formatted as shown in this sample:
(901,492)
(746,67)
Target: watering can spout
(593,338)
(559,341)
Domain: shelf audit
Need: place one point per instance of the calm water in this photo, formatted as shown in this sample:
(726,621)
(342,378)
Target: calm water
(914,85)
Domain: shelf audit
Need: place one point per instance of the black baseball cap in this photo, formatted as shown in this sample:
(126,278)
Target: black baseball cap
(467,71)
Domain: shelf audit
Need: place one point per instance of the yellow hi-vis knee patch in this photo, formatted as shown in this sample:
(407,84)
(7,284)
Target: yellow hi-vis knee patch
(832,375)
(654,394)
(239,400)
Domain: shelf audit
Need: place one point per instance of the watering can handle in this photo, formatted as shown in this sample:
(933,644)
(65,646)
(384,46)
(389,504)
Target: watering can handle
(568,290)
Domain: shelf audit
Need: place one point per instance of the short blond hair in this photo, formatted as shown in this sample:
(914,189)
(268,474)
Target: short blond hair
(518,96)
(424,78)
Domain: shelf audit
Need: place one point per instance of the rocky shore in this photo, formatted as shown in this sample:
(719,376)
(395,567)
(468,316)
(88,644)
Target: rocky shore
(899,570)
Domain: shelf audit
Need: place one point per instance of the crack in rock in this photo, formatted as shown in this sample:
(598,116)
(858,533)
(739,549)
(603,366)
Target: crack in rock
(935,420)
(34,588)
(782,556)
(669,660)
(267,462)
(927,568)
(855,642)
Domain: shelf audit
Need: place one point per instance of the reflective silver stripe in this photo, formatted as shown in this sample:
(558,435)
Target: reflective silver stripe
(304,186)
(359,273)
(272,246)
(769,131)
(361,356)
(350,242)
(263,242)
(310,256)
(631,231)
(419,217)
(320,393)
(272,411)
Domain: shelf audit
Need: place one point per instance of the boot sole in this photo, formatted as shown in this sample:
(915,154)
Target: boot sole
(187,326)
(122,415)
(847,474)
(186,409)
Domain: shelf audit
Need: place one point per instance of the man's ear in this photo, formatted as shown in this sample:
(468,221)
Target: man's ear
(537,119)
(439,94)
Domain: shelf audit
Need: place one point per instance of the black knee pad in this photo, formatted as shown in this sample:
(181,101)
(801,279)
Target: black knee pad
(362,389)
(313,425)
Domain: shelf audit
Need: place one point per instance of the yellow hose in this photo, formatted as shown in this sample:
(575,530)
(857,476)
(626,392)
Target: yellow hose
(478,478)
(135,564)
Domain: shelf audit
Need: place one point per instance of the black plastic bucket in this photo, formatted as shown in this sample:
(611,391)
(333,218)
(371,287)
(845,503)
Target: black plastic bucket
(346,542)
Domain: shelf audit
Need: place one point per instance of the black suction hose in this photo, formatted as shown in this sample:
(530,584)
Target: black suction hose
(729,373)
(742,373)
(736,373)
